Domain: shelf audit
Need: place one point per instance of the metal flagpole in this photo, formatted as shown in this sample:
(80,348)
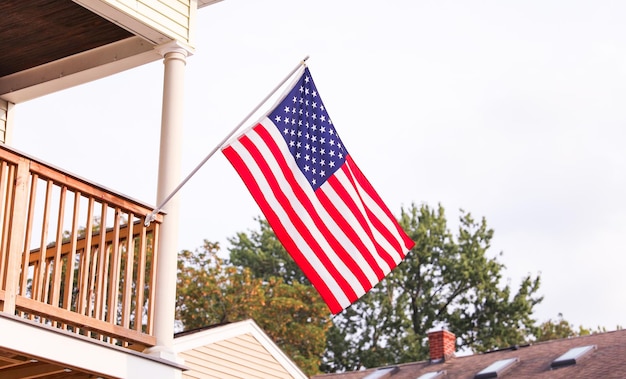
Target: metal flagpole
(151,216)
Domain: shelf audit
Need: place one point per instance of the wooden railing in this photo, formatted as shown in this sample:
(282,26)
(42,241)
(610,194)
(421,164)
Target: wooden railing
(74,255)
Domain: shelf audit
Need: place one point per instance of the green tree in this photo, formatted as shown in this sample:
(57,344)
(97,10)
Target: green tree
(264,255)
(212,291)
(445,281)
(559,328)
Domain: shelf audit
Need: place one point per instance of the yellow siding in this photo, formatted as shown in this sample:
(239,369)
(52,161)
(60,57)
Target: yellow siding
(4,107)
(170,17)
(234,358)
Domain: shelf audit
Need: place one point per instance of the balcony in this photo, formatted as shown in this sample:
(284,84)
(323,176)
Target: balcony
(75,256)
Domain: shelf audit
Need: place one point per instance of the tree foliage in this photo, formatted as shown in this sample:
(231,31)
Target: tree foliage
(211,291)
(264,255)
(445,281)
(561,328)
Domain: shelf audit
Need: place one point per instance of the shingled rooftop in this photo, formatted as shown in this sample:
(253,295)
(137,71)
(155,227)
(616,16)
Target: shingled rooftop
(594,356)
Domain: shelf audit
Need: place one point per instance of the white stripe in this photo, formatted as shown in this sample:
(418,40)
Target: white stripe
(276,206)
(327,219)
(304,215)
(342,208)
(378,237)
(388,223)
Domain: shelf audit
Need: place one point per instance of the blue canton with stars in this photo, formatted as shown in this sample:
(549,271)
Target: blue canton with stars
(310,135)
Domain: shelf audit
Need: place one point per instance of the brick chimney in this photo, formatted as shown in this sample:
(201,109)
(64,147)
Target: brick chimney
(442,345)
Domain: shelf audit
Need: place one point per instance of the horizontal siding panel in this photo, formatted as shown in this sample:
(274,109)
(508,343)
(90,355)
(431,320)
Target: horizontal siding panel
(235,363)
(158,15)
(4,109)
(222,369)
(198,368)
(180,7)
(239,358)
(257,351)
(241,355)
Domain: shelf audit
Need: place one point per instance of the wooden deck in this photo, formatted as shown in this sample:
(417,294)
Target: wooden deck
(75,255)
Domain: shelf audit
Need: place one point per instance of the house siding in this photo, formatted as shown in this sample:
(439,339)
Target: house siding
(238,357)
(155,20)
(4,112)
(170,17)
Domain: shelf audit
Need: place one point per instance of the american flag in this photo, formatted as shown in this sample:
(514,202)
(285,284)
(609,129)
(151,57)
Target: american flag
(320,206)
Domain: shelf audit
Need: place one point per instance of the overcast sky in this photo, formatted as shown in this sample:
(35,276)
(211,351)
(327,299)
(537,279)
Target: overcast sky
(511,110)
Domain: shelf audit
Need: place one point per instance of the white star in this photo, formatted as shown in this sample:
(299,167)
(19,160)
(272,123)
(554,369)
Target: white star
(331,164)
(277,118)
(286,131)
(314,93)
(307,157)
(286,109)
(306,168)
(322,173)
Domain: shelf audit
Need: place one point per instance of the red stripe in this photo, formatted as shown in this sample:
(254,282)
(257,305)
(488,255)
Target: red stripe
(361,218)
(322,228)
(367,186)
(376,222)
(281,233)
(295,219)
(350,233)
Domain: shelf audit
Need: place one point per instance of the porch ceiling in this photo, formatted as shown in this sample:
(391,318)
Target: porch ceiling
(16,365)
(36,32)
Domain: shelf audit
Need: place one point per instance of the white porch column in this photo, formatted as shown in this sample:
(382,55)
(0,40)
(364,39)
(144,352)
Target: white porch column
(174,60)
